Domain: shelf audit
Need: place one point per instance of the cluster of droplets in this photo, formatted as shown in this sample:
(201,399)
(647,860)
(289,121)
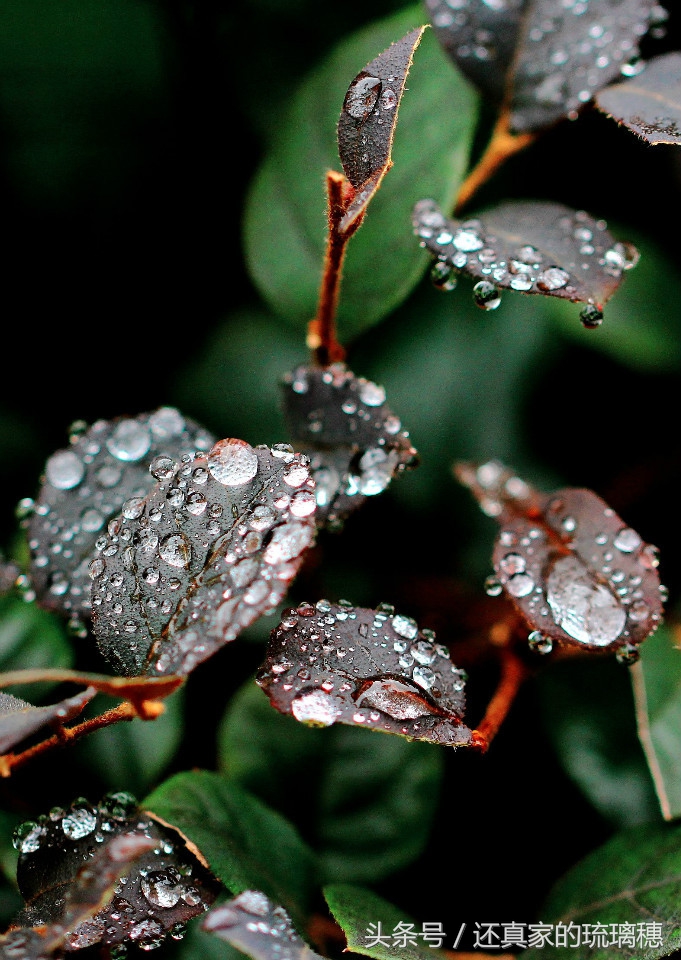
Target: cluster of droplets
(82,491)
(577,573)
(253,923)
(468,247)
(368,94)
(214,546)
(331,663)
(355,442)
(151,903)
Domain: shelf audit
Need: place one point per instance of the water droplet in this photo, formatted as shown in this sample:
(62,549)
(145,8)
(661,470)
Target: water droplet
(176,550)
(405,626)
(371,393)
(64,470)
(161,889)
(443,276)
(398,700)
(303,503)
(424,676)
(130,441)
(80,821)
(27,837)
(519,585)
(591,316)
(118,804)
(628,654)
(539,642)
(361,98)
(585,609)
(315,708)
(553,278)
(486,295)
(233,462)
(627,540)
(493,586)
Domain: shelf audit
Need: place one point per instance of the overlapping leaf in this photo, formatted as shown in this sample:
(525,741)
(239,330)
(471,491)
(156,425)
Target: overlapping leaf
(168,885)
(213,547)
(333,663)
(355,442)
(19,719)
(109,466)
(649,104)
(367,121)
(543,60)
(258,927)
(533,247)
(577,574)
(90,891)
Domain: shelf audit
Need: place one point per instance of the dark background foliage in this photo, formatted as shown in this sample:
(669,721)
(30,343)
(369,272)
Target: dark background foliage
(129,134)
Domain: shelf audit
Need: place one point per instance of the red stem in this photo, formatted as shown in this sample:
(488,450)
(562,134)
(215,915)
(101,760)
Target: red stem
(322,338)
(513,674)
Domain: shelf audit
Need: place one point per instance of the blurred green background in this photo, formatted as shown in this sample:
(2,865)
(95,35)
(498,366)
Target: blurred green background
(130,134)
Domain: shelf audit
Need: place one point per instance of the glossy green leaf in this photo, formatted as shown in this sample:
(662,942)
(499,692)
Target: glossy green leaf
(371,799)
(656,681)
(285,216)
(635,880)
(247,844)
(588,714)
(133,755)
(359,912)
(31,638)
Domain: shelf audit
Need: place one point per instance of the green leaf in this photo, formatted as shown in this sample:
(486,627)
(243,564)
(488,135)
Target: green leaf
(641,327)
(31,638)
(370,799)
(656,680)
(588,712)
(635,878)
(132,756)
(358,911)
(247,844)
(198,944)
(285,214)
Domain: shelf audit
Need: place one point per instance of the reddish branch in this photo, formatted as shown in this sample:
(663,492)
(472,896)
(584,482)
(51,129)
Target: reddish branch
(513,674)
(64,735)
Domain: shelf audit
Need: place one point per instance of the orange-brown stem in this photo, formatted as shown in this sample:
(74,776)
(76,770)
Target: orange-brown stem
(513,674)
(124,711)
(321,337)
(502,145)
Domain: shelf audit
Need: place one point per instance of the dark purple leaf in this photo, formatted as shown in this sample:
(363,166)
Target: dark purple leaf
(19,719)
(573,569)
(355,442)
(650,103)
(532,247)
(334,663)
(257,927)
(108,464)
(368,119)
(165,888)
(213,547)
(544,60)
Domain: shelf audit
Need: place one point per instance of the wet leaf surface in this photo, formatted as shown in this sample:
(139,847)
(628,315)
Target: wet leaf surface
(649,104)
(19,719)
(333,663)
(247,844)
(547,59)
(258,927)
(573,569)
(633,882)
(107,467)
(213,547)
(355,442)
(367,122)
(656,682)
(166,888)
(531,247)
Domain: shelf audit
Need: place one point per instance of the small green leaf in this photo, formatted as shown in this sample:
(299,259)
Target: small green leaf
(247,844)
(634,879)
(360,912)
(31,639)
(588,714)
(656,680)
(285,216)
(370,800)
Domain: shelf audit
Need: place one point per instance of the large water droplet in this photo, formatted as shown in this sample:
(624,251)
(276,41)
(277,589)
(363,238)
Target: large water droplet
(130,441)
(361,98)
(591,316)
(64,470)
(398,700)
(316,708)
(161,889)
(486,295)
(586,610)
(233,462)
(80,821)
(176,550)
